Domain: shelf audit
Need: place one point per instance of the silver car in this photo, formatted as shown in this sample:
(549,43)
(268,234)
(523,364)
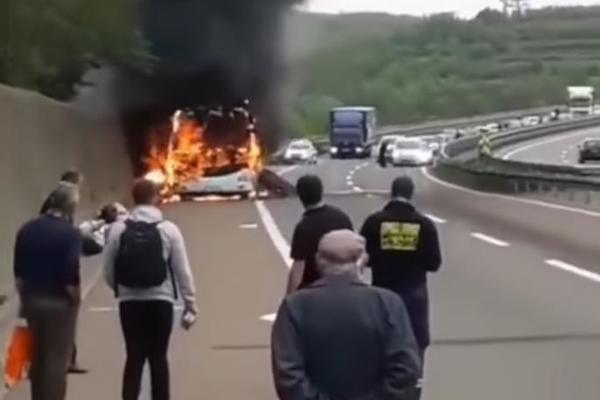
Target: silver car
(414,152)
(301,151)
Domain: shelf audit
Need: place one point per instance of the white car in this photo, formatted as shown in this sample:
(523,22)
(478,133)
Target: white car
(434,142)
(412,152)
(531,120)
(301,150)
(242,182)
(388,140)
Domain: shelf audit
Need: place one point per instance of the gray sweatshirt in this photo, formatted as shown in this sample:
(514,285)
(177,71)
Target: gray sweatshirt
(173,248)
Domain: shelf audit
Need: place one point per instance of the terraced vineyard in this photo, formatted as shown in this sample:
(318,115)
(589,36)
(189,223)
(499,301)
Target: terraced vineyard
(441,66)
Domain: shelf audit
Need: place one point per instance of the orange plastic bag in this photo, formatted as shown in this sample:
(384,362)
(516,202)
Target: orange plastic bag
(18,355)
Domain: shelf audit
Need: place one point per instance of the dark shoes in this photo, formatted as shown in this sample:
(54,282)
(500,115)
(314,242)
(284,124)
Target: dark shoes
(77,370)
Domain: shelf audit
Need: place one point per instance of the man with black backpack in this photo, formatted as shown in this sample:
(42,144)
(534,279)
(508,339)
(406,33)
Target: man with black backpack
(147,266)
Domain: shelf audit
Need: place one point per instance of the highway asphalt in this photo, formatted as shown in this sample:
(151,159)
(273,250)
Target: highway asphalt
(513,309)
(560,149)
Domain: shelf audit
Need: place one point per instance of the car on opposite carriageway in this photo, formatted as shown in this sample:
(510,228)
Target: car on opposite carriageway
(589,150)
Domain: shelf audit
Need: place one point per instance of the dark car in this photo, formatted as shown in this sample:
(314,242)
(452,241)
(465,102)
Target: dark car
(589,150)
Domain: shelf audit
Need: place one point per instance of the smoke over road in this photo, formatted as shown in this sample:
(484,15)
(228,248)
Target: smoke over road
(208,52)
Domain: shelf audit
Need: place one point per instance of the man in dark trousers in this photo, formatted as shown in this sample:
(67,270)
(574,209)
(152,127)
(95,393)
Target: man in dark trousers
(147,266)
(46,268)
(403,247)
(318,219)
(340,338)
(72,180)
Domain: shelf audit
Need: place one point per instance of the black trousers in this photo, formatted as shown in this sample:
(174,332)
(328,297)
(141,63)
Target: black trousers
(147,327)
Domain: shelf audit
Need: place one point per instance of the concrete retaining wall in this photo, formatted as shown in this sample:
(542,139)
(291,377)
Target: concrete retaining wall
(39,139)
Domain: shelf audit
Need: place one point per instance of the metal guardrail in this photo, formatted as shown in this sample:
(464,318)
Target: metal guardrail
(435,127)
(564,184)
(466,149)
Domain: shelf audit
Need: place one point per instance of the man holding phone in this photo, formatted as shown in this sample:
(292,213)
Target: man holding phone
(148,268)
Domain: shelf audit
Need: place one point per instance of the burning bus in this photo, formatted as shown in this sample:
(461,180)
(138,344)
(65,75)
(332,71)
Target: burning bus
(207,152)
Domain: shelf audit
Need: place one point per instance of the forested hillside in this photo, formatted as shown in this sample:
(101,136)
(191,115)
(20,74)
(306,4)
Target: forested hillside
(441,66)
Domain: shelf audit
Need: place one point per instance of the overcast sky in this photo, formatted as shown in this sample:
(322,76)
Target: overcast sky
(466,8)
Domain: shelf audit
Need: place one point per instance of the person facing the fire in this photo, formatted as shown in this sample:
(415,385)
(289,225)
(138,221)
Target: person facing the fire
(71,180)
(403,247)
(318,220)
(342,339)
(147,266)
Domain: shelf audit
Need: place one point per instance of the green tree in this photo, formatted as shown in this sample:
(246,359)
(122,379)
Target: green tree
(48,44)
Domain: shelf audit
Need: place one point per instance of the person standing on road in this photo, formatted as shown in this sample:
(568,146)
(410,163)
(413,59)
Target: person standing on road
(147,266)
(318,220)
(382,156)
(72,180)
(403,247)
(46,268)
(340,338)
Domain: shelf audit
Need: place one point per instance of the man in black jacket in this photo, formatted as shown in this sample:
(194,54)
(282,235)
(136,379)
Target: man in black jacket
(403,247)
(342,339)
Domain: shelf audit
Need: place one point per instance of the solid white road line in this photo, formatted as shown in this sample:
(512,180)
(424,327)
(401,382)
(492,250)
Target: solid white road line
(274,233)
(489,239)
(526,147)
(574,270)
(435,219)
(278,241)
(559,207)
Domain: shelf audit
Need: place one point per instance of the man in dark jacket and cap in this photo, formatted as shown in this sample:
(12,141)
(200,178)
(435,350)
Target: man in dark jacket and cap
(403,247)
(342,339)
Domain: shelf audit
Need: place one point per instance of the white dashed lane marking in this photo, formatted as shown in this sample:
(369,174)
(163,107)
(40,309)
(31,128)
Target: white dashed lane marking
(249,226)
(435,219)
(268,317)
(583,273)
(350,176)
(489,239)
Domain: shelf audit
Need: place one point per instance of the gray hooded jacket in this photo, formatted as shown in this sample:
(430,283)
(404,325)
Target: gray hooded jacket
(173,248)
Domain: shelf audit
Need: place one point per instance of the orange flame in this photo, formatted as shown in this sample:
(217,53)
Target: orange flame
(187,154)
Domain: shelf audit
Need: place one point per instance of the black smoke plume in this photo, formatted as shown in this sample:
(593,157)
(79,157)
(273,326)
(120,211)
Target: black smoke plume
(209,53)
